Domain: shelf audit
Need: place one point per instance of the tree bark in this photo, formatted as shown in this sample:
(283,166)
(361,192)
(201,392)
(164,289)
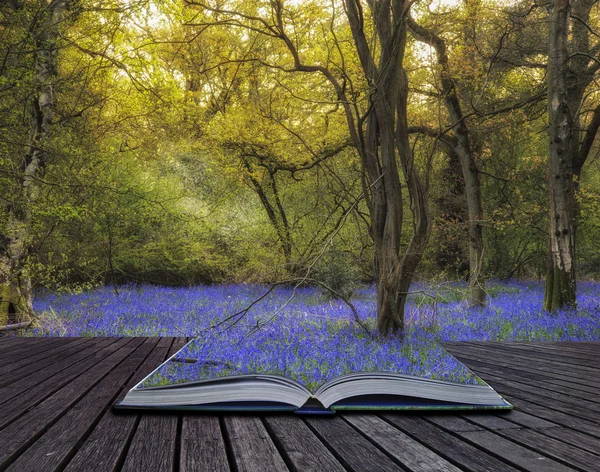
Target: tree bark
(560,280)
(470,171)
(15,281)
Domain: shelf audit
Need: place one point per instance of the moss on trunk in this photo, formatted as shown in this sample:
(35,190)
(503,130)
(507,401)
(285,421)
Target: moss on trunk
(560,291)
(14,306)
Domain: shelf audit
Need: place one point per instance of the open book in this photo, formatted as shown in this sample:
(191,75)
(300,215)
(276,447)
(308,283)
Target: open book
(195,379)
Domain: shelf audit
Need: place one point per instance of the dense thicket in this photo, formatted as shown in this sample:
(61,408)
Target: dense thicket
(183,143)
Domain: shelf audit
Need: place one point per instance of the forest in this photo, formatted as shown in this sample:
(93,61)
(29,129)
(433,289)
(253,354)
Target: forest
(414,148)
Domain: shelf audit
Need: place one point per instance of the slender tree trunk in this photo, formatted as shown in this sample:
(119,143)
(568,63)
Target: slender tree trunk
(475,211)
(15,284)
(281,228)
(560,280)
(386,140)
(450,255)
(470,171)
(14,306)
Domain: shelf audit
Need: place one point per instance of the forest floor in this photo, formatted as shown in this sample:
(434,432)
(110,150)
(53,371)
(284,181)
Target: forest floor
(439,312)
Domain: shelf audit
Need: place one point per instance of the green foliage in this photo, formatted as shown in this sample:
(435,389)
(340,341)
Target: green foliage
(338,270)
(167,132)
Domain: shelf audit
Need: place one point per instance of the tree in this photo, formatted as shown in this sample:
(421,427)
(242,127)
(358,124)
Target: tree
(271,136)
(379,131)
(15,282)
(460,146)
(572,65)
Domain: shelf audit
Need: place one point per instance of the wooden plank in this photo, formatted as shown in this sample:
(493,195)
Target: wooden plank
(251,447)
(572,349)
(461,425)
(558,450)
(556,416)
(41,361)
(494,442)
(453,449)
(550,379)
(23,351)
(159,429)
(571,408)
(165,342)
(110,439)
(153,446)
(509,359)
(574,438)
(7,342)
(20,433)
(451,422)
(539,354)
(500,425)
(53,449)
(11,342)
(543,387)
(37,393)
(53,366)
(349,446)
(60,346)
(576,372)
(529,421)
(299,445)
(514,453)
(486,420)
(516,364)
(562,402)
(410,453)
(542,350)
(178,343)
(202,445)
(156,357)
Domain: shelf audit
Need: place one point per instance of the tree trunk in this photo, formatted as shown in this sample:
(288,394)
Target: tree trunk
(475,210)
(450,253)
(560,280)
(14,305)
(281,227)
(463,149)
(385,140)
(582,72)
(15,282)
(16,301)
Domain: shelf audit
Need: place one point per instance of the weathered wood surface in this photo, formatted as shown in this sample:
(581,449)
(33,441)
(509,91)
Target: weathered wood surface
(56,397)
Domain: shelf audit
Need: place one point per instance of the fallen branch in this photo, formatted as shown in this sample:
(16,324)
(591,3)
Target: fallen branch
(11,327)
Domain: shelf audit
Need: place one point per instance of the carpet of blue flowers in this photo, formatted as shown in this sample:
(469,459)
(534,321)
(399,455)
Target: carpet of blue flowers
(513,313)
(310,353)
(312,338)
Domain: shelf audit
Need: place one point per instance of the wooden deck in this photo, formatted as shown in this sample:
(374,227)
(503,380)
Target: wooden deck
(56,396)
